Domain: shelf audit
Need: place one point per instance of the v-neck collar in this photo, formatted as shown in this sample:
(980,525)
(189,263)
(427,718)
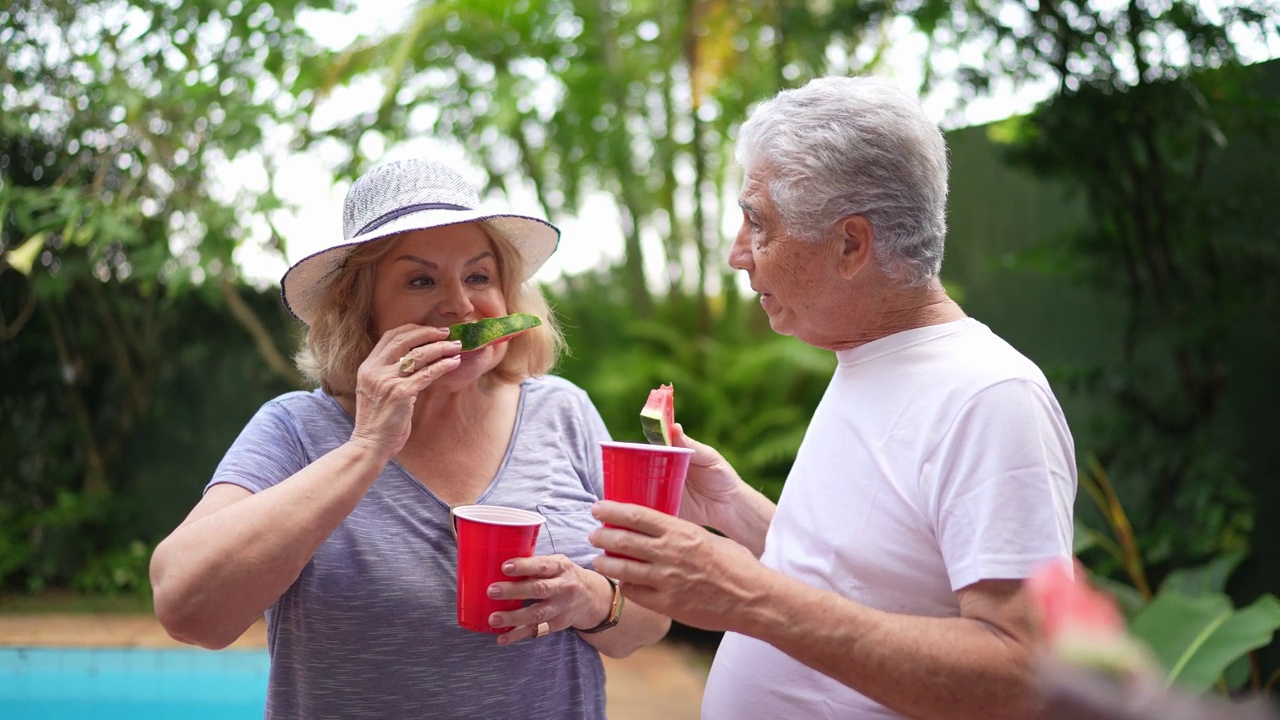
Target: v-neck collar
(408,476)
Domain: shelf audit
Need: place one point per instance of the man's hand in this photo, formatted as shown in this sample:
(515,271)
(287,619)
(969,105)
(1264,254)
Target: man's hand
(714,496)
(710,485)
(679,569)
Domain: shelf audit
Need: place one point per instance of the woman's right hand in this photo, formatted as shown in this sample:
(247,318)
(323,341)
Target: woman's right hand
(385,396)
(710,485)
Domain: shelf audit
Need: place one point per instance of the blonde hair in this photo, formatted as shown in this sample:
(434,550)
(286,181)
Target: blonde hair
(340,336)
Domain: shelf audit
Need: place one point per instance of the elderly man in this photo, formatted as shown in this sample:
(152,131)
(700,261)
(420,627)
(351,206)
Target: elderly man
(936,473)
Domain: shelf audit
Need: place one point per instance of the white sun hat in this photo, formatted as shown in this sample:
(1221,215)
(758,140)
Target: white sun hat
(399,197)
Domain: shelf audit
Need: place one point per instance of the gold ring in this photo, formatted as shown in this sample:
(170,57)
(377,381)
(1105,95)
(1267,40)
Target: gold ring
(408,364)
(542,629)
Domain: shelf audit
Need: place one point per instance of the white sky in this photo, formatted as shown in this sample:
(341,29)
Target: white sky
(592,238)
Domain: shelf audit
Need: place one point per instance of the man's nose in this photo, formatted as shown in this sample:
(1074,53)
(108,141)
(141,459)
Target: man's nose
(740,252)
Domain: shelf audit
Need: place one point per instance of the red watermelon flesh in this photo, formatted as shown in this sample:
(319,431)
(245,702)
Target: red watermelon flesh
(1081,625)
(1066,601)
(659,415)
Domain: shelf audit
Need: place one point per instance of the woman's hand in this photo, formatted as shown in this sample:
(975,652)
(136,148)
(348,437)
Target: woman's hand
(404,362)
(710,485)
(567,596)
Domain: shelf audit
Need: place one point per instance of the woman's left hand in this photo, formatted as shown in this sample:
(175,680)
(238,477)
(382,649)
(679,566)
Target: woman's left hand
(567,596)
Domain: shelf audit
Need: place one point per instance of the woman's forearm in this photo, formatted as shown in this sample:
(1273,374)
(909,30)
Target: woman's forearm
(237,553)
(637,627)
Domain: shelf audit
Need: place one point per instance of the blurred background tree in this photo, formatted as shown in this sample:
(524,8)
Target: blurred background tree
(118,246)
(1120,234)
(1152,112)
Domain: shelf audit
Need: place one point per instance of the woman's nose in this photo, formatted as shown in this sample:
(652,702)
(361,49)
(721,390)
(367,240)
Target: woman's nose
(455,301)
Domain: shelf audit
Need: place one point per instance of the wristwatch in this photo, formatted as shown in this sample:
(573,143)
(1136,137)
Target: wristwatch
(615,610)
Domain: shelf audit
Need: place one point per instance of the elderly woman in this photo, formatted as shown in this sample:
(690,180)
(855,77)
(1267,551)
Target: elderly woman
(331,512)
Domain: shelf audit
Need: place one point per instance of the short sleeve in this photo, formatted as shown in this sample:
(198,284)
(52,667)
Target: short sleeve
(594,432)
(267,451)
(1006,485)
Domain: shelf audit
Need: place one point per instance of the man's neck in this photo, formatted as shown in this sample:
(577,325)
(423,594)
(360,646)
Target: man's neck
(895,309)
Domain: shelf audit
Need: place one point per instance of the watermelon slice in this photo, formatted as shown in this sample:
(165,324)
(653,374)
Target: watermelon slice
(1080,625)
(659,415)
(475,335)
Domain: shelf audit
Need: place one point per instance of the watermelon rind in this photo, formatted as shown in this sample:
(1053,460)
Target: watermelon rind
(657,427)
(475,335)
(653,431)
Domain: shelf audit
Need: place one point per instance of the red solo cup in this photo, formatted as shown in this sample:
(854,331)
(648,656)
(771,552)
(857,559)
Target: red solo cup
(488,536)
(641,474)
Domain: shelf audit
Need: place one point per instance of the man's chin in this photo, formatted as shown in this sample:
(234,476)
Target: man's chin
(780,325)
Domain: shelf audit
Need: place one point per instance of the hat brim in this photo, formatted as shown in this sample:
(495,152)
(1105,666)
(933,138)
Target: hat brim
(304,283)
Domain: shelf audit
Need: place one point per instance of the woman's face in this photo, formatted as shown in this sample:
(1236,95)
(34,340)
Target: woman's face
(441,277)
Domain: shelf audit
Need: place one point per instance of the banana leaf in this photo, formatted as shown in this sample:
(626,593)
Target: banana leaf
(1210,577)
(1197,639)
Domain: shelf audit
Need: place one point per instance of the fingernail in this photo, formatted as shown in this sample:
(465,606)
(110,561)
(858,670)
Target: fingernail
(495,621)
(493,591)
(502,640)
(509,568)
(443,329)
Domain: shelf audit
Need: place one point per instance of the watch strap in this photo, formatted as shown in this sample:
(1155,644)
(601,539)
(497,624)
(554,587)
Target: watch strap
(615,609)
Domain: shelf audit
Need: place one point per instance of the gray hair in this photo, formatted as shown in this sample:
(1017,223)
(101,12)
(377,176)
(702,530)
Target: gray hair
(843,146)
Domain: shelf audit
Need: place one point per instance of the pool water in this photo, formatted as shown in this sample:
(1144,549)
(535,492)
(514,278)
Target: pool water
(134,683)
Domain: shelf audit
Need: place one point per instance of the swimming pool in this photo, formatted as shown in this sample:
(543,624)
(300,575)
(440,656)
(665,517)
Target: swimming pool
(136,683)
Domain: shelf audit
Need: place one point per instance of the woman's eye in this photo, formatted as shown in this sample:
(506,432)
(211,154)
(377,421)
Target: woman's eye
(478,278)
(422,281)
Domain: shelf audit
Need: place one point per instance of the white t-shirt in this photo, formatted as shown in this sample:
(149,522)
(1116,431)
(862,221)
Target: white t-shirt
(937,457)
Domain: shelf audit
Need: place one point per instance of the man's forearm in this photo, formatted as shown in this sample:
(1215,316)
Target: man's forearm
(921,667)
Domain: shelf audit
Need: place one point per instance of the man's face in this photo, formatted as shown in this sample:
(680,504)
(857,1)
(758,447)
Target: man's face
(789,273)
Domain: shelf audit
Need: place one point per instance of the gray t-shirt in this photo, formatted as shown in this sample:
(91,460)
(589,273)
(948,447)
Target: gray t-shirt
(369,630)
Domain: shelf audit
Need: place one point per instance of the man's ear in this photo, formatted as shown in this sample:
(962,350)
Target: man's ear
(856,238)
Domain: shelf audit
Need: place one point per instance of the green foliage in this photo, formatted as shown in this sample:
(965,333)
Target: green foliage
(1207,579)
(640,100)
(1150,140)
(116,119)
(89,464)
(1190,624)
(124,571)
(1198,638)
(117,113)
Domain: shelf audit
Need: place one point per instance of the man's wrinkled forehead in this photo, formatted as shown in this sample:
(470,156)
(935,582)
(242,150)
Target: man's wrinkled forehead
(754,196)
